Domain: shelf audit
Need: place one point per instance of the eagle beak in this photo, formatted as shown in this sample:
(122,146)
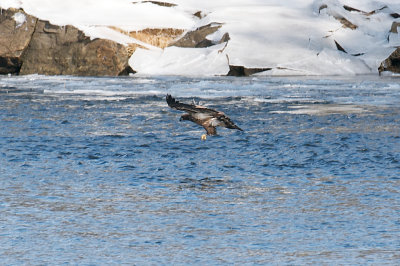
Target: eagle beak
(203,137)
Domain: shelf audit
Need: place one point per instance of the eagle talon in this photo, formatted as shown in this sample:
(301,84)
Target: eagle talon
(203,137)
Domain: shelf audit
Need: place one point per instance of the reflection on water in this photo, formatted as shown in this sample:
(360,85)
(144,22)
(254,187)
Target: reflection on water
(101,171)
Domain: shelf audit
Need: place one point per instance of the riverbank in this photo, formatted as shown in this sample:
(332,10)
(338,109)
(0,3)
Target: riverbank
(188,38)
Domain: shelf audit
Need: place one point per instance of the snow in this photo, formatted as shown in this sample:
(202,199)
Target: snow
(120,13)
(293,37)
(110,34)
(20,18)
(181,61)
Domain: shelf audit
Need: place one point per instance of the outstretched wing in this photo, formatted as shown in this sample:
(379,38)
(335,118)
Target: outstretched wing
(190,108)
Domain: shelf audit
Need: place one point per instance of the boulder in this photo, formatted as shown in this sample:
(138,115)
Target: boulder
(241,71)
(65,50)
(16,29)
(392,63)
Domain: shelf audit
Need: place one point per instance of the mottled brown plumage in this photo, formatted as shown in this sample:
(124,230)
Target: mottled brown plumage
(205,117)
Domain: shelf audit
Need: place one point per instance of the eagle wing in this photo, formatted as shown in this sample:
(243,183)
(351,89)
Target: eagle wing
(190,108)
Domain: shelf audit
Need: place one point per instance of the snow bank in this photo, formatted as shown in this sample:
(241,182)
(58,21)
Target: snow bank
(181,61)
(293,37)
(121,13)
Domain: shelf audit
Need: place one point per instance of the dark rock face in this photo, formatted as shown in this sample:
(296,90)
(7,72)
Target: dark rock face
(14,39)
(392,63)
(55,50)
(29,46)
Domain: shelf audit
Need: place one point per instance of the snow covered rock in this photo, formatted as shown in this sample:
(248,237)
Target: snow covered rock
(253,37)
(16,29)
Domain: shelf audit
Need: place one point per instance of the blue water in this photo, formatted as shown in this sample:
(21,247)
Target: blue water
(99,171)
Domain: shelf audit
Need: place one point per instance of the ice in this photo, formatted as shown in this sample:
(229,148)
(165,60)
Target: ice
(324,109)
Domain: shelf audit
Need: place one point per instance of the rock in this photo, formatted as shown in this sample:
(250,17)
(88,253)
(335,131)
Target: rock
(393,28)
(165,4)
(16,29)
(204,43)
(352,9)
(322,7)
(224,38)
(392,63)
(346,23)
(339,47)
(197,38)
(56,50)
(395,15)
(241,71)
(198,14)
(157,37)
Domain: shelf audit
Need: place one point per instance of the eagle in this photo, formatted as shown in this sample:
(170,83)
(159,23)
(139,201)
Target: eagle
(203,116)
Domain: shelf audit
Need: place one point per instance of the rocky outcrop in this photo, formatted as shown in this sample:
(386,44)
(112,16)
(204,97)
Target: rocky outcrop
(55,50)
(16,29)
(392,63)
(29,45)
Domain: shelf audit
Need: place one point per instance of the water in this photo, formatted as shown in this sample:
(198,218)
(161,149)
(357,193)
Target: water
(99,171)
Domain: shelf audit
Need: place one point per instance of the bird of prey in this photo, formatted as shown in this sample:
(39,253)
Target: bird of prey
(203,116)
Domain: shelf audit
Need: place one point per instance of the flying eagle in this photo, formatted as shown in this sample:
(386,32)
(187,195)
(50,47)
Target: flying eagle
(203,116)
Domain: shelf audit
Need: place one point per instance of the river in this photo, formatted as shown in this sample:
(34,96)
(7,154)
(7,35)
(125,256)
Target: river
(100,171)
